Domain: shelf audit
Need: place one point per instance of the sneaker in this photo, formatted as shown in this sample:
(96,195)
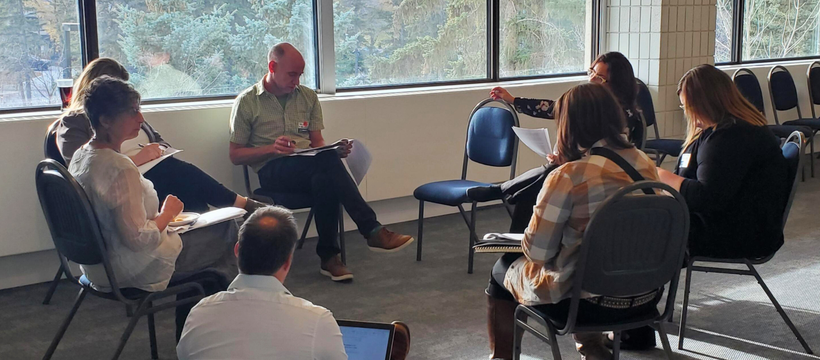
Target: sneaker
(336,269)
(387,241)
(401,341)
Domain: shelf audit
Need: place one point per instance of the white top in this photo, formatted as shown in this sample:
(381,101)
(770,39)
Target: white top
(258,318)
(126,203)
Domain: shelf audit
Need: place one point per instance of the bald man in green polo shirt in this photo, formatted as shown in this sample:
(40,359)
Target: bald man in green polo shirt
(274,117)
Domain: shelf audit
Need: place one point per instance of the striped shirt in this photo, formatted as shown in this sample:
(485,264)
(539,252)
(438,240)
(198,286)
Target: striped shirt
(258,118)
(552,241)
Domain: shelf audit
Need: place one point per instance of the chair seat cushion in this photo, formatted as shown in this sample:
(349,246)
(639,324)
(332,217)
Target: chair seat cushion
(666,146)
(449,192)
(783,131)
(293,201)
(582,325)
(812,123)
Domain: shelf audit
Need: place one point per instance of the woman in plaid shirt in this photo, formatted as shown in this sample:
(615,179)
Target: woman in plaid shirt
(588,116)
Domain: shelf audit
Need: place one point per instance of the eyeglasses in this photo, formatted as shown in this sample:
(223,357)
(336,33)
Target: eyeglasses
(682,107)
(594,75)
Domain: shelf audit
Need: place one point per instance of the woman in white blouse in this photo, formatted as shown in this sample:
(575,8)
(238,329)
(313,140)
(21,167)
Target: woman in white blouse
(143,253)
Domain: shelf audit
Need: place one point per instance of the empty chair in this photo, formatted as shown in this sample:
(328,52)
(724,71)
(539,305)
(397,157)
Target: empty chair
(657,146)
(76,234)
(747,84)
(792,151)
(609,265)
(813,80)
(783,94)
(490,141)
(294,201)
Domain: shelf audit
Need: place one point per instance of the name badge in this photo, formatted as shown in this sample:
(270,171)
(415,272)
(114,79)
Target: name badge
(684,160)
(302,127)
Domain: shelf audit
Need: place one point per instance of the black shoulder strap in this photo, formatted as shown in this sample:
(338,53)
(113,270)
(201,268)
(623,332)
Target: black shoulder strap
(618,160)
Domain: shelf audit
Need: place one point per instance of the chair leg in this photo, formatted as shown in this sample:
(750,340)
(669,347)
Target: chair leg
(53,286)
(152,334)
(616,345)
(471,253)
(664,339)
(305,230)
(64,325)
(342,233)
(556,350)
(127,333)
(421,230)
(811,147)
(517,339)
(779,308)
(682,329)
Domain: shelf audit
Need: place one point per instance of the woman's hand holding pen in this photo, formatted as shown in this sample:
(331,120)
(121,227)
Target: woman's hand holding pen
(147,153)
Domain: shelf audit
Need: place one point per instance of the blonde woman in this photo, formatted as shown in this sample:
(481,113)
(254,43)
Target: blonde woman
(732,173)
(193,186)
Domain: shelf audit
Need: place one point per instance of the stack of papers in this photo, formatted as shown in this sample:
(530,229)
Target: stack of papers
(538,140)
(210,218)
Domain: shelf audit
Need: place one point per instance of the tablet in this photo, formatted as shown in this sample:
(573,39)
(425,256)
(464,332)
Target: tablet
(367,340)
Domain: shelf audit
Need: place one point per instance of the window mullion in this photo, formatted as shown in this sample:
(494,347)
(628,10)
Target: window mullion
(90,47)
(325,51)
(737,31)
(493,41)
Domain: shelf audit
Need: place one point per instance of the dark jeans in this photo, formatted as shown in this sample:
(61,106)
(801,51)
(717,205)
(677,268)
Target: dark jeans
(524,191)
(195,188)
(587,311)
(326,180)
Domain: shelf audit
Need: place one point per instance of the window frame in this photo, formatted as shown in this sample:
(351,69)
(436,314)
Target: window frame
(736,56)
(325,60)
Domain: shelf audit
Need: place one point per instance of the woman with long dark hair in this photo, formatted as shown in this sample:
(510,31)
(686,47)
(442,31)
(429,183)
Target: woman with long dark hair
(588,117)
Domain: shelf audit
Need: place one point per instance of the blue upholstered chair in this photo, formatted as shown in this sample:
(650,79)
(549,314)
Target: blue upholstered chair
(783,94)
(746,82)
(657,146)
(490,141)
(792,149)
(294,201)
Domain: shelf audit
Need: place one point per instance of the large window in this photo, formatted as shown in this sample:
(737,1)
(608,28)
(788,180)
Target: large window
(769,29)
(382,42)
(39,45)
(542,37)
(195,49)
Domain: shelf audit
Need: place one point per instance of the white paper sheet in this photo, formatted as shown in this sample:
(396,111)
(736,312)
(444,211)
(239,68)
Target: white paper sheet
(358,161)
(538,140)
(165,154)
(314,151)
(211,217)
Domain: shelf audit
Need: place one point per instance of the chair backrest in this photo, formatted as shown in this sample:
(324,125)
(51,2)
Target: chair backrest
(50,149)
(813,79)
(782,91)
(71,219)
(749,87)
(490,137)
(634,243)
(647,109)
(792,149)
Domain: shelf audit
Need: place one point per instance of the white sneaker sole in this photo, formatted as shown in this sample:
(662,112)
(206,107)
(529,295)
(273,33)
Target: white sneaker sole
(382,250)
(336,278)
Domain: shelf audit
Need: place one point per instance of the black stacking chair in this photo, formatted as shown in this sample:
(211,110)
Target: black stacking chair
(792,150)
(608,265)
(51,151)
(76,234)
(783,94)
(813,79)
(749,87)
(490,141)
(659,147)
(294,201)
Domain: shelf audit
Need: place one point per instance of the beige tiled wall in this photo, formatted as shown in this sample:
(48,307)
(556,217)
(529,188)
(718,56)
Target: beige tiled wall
(663,39)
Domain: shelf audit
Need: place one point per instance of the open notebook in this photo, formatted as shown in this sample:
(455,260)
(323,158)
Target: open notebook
(499,243)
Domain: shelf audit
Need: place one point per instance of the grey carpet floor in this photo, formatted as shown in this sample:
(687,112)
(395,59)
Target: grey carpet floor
(730,316)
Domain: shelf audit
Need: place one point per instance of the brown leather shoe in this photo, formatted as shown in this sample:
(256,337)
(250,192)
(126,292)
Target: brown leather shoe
(401,341)
(388,241)
(336,269)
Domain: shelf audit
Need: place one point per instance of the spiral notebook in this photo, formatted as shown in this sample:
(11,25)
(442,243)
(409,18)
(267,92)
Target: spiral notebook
(499,243)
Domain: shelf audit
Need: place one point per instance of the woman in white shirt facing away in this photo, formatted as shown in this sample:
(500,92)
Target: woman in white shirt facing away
(143,253)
